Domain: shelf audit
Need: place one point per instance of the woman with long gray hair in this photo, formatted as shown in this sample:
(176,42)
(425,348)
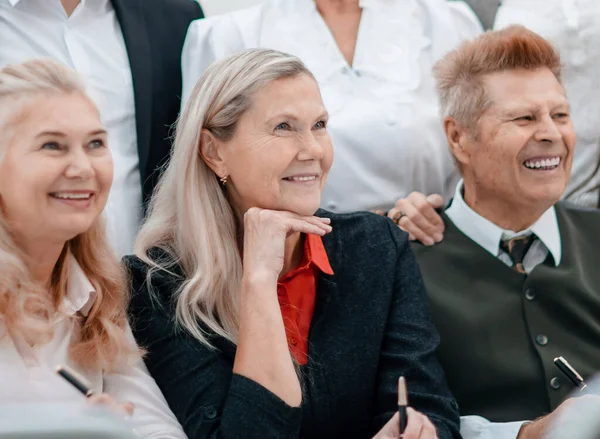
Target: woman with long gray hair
(263,316)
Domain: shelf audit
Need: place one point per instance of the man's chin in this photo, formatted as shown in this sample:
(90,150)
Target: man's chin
(545,194)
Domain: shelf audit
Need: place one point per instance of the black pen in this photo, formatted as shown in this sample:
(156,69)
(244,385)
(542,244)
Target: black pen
(402,404)
(570,372)
(75,380)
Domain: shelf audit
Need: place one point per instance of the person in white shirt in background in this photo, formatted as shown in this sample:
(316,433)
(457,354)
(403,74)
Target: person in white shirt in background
(132,68)
(62,292)
(372,59)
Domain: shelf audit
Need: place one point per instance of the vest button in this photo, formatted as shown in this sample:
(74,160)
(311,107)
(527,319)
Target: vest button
(210,412)
(530,294)
(541,339)
(555,383)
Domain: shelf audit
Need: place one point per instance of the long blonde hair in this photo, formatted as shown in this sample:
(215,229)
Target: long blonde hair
(190,218)
(26,307)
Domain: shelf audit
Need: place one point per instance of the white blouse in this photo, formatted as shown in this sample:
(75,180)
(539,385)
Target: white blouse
(27,373)
(384,118)
(573,26)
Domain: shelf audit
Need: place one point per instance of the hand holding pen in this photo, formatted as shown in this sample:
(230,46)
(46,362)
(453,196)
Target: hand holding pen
(83,386)
(407,423)
(538,428)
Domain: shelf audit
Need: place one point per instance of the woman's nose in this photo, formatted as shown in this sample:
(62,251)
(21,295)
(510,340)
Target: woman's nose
(79,166)
(311,148)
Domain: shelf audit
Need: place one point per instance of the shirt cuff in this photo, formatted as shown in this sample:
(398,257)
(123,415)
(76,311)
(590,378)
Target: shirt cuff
(476,427)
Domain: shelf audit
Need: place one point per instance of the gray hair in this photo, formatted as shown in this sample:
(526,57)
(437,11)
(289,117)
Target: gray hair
(190,217)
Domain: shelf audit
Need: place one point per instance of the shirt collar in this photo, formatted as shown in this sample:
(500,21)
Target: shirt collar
(83,2)
(488,235)
(310,6)
(315,253)
(81,294)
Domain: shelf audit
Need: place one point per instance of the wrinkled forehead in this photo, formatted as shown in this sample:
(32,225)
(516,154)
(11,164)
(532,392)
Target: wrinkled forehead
(296,94)
(524,90)
(40,111)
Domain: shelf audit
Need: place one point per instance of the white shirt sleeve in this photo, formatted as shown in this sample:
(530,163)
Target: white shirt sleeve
(209,39)
(476,427)
(198,53)
(152,418)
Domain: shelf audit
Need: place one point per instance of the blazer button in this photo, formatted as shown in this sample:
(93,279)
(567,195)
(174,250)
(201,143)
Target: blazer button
(555,383)
(210,412)
(530,294)
(541,339)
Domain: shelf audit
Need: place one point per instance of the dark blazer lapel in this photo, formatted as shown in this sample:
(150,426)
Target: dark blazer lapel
(327,288)
(131,18)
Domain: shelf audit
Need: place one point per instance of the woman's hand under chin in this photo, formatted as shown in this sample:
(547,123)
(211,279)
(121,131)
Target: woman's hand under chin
(418,427)
(265,232)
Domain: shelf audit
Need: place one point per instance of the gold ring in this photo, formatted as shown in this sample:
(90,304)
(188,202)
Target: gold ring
(398,216)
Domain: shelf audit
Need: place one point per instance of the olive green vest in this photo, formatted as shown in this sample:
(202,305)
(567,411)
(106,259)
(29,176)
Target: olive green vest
(500,330)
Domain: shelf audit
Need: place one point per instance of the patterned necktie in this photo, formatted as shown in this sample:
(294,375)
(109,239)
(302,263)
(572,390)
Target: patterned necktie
(517,249)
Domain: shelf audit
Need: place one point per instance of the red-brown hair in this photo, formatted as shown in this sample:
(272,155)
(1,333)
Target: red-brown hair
(459,74)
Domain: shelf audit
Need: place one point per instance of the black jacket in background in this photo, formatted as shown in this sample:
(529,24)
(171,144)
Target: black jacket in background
(370,325)
(154,32)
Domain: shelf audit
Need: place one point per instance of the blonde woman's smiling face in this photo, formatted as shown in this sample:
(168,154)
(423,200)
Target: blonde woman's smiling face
(281,153)
(56,170)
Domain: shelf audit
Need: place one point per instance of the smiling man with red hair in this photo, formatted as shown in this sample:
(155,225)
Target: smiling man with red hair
(514,283)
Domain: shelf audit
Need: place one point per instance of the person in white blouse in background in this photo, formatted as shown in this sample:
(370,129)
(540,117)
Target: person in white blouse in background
(62,291)
(372,59)
(573,26)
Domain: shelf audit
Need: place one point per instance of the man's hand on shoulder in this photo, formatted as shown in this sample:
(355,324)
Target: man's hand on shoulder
(417,216)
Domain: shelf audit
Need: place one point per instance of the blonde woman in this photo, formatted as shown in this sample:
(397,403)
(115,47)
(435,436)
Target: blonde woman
(263,317)
(62,296)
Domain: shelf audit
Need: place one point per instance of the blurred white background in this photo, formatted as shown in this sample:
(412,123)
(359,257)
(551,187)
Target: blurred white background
(214,7)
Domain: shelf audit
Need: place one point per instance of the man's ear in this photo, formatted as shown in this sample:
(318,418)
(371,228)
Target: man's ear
(211,151)
(458,139)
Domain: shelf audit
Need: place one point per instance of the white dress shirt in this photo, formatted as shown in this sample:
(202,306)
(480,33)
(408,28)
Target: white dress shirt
(91,42)
(488,235)
(384,115)
(573,26)
(27,372)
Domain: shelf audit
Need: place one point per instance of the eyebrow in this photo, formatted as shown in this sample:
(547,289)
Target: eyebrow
(61,134)
(517,111)
(290,116)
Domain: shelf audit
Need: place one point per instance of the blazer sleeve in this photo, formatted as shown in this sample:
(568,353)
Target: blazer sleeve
(409,346)
(198,383)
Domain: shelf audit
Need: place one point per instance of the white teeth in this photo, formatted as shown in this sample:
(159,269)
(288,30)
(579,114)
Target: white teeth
(69,196)
(311,178)
(545,163)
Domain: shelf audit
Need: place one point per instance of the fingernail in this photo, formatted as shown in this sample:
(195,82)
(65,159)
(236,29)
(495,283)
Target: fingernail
(429,242)
(326,220)
(438,237)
